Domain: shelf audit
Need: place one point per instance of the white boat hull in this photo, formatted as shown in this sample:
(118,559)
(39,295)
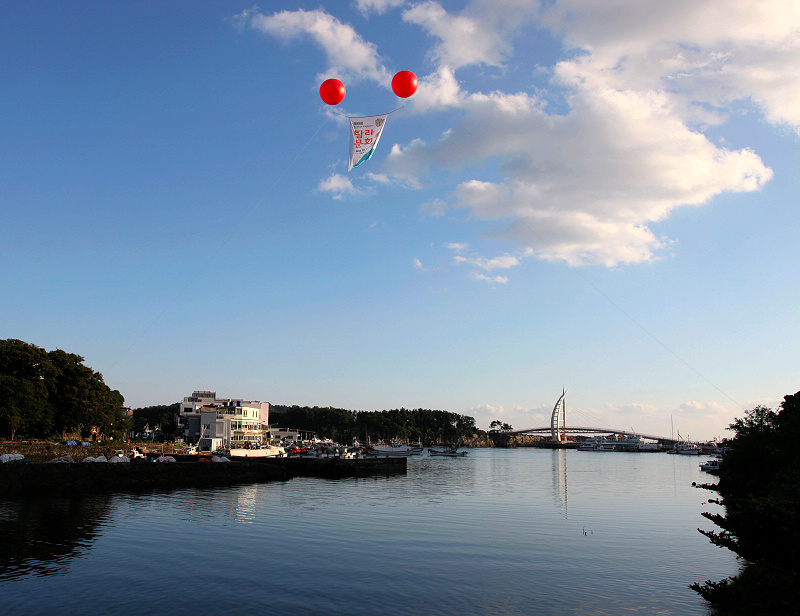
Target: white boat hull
(265,452)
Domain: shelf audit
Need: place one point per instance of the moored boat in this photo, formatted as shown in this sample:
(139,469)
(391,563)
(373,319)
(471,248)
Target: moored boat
(711,466)
(264,451)
(451,452)
(393,450)
(687,449)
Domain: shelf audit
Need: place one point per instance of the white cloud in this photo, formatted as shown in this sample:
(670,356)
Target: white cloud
(481,34)
(586,186)
(481,265)
(349,55)
(495,279)
(418,266)
(464,40)
(640,79)
(517,417)
(504,262)
(378,6)
(437,91)
(338,185)
(380,178)
(691,419)
(706,53)
(458,246)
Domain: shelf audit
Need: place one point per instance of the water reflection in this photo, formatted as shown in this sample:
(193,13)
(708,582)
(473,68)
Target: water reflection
(560,480)
(496,532)
(39,536)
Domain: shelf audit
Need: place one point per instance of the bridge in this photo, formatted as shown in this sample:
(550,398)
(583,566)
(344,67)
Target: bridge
(559,430)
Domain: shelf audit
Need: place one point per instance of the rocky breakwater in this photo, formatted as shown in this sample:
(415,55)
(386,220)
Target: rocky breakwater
(502,439)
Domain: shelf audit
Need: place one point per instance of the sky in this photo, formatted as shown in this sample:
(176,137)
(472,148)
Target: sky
(597,195)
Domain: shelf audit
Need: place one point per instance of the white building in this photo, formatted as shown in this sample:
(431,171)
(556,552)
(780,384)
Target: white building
(222,423)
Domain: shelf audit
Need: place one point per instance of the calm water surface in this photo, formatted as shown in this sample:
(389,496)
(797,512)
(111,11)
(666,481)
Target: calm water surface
(502,531)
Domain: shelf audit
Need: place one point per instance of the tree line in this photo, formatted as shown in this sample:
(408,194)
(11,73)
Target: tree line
(53,394)
(342,425)
(760,489)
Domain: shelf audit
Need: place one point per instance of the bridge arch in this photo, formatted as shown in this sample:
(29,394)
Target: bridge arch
(559,418)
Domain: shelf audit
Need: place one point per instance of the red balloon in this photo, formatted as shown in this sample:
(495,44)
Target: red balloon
(404,84)
(332,91)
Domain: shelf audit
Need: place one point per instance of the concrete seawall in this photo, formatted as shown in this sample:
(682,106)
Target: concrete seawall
(78,477)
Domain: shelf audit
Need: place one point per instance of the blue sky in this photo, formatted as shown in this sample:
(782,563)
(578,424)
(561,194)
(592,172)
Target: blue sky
(595,195)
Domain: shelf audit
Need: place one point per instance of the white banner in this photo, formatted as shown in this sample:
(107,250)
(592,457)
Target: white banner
(364,135)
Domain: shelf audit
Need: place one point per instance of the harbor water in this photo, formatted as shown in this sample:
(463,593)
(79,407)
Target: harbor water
(500,531)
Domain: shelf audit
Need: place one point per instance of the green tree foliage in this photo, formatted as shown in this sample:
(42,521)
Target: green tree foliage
(42,394)
(161,416)
(343,426)
(760,489)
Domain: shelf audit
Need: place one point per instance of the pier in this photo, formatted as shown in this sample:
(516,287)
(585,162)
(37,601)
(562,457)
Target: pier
(45,478)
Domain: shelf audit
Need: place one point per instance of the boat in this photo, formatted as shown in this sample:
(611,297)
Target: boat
(263,451)
(687,449)
(392,450)
(711,466)
(597,444)
(451,451)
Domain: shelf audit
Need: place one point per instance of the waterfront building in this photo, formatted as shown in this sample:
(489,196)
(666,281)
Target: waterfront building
(222,423)
(285,435)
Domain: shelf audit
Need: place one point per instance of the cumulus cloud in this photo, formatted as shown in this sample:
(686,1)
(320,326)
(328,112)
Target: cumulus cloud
(703,53)
(380,178)
(691,419)
(503,262)
(482,268)
(480,34)
(338,185)
(517,417)
(586,186)
(378,6)
(437,91)
(699,409)
(495,279)
(640,81)
(464,39)
(349,55)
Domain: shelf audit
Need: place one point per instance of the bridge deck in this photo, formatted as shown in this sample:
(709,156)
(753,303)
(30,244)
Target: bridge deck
(587,429)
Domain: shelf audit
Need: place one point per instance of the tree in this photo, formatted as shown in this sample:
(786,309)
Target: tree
(26,378)
(160,415)
(343,426)
(760,488)
(498,425)
(41,392)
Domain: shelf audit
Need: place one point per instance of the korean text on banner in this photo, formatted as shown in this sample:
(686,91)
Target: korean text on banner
(364,136)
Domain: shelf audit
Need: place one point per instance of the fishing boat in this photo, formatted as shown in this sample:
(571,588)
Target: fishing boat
(451,451)
(687,449)
(391,450)
(711,466)
(263,451)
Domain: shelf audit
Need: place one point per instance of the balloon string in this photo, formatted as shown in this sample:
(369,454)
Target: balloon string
(347,116)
